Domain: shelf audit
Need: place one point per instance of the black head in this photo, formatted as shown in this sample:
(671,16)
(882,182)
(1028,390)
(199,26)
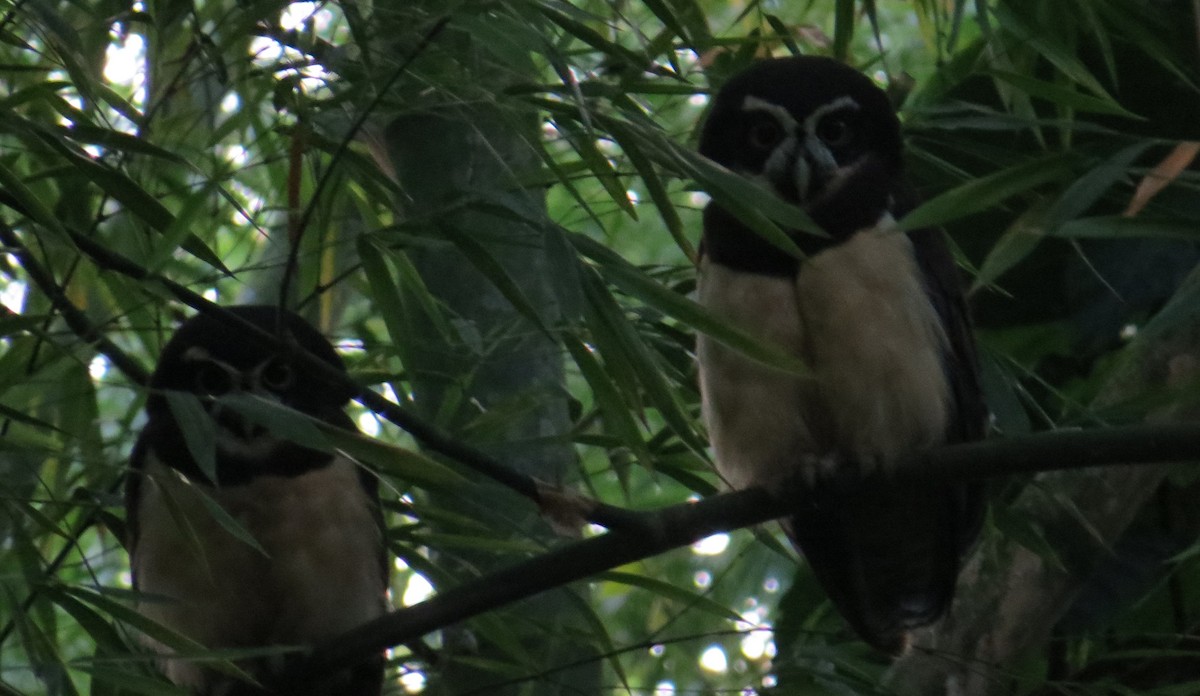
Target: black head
(816,131)
(212,358)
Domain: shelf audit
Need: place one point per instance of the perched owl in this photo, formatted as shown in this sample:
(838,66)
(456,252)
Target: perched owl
(878,317)
(316,566)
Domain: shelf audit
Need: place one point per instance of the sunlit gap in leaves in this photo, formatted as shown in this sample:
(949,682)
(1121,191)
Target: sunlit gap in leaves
(98,368)
(713,660)
(124,65)
(757,642)
(267,52)
(250,201)
(12,296)
(714,545)
(413,681)
(367,421)
(417,589)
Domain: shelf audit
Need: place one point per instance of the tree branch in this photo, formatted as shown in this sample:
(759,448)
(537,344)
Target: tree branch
(1008,597)
(680,525)
(673,527)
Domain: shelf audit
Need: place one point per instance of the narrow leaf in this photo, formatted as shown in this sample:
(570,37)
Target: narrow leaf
(672,592)
(625,276)
(1064,96)
(981,194)
(199,432)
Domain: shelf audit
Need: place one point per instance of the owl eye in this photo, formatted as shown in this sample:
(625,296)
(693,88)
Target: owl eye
(213,380)
(276,375)
(835,131)
(765,134)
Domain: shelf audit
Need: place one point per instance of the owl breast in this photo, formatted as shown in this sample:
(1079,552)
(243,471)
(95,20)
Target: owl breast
(857,314)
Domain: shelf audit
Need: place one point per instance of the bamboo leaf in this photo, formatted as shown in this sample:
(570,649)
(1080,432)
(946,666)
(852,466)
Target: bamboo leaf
(1118,227)
(672,592)
(609,319)
(1064,96)
(615,413)
(981,194)
(843,29)
(637,284)
(196,426)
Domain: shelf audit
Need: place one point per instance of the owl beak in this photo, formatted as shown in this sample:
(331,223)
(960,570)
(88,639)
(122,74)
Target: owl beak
(814,168)
(800,170)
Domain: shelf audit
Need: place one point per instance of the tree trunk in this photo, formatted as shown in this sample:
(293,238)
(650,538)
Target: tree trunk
(496,377)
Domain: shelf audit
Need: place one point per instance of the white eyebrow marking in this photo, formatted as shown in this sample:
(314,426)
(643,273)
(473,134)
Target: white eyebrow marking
(782,115)
(195,354)
(839,104)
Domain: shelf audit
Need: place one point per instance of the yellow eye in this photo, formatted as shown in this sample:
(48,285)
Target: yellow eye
(765,134)
(835,131)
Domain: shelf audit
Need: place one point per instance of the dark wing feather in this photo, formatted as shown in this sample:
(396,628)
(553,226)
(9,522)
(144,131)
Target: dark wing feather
(961,362)
(888,553)
(885,555)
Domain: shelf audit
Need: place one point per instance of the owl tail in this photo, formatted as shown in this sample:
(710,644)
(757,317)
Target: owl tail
(887,555)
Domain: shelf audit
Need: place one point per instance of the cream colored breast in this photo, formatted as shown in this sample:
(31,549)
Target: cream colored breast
(755,414)
(317,575)
(875,344)
(858,316)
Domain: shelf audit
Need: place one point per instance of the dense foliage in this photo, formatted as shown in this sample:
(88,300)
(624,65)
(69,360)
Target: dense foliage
(493,207)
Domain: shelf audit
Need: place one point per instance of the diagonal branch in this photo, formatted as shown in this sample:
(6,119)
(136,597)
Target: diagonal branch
(1009,598)
(680,525)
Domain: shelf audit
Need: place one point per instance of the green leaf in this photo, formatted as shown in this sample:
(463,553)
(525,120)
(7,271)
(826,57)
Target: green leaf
(385,296)
(199,431)
(756,207)
(394,461)
(1046,45)
(124,682)
(484,262)
(607,318)
(27,202)
(1089,188)
(672,592)
(184,646)
(138,201)
(283,422)
(116,140)
(1064,96)
(625,276)
(585,145)
(592,38)
(227,522)
(1014,246)
(613,409)
(843,29)
(1117,227)
(981,194)
(179,232)
(658,195)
